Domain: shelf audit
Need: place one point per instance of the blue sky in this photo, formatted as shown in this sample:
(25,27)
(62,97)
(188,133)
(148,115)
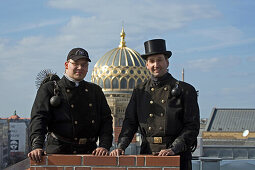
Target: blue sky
(214,41)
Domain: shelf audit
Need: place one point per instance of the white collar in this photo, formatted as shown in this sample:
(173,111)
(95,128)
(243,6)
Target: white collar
(72,80)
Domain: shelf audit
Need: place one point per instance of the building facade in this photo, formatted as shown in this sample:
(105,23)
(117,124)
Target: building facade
(230,134)
(13,140)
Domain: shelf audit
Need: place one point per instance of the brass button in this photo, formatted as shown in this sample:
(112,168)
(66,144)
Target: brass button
(75,138)
(151,102)
(151,115)
(163,101)
(90,105)
(72,106)
(160,128)
(150,128)
(161,114)
(93,121)
(74,152)
(86,90)
(76,122)
(152,89)
(67,90)
(165,88)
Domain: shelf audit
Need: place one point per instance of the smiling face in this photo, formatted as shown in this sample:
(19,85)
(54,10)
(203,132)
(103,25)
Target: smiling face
(76,70)
(157,65)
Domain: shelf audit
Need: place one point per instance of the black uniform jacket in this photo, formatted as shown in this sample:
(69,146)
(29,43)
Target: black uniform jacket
(158,113)
(83,113)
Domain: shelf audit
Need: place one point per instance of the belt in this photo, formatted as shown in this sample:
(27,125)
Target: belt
(80,141)
(159,140)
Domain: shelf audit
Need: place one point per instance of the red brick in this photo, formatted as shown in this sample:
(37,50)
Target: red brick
(162,161)
(171,168)
(140,160)
(69,168)
(82,168)
(108,168)
(64,160)
(126,160)
(43,162)
(49,168)
(90,160)
(144,168)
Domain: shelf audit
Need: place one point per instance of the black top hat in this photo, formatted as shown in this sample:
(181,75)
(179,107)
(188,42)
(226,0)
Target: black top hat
(78,53)
(155,46)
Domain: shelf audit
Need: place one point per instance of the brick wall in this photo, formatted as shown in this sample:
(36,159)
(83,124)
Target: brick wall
(90,162)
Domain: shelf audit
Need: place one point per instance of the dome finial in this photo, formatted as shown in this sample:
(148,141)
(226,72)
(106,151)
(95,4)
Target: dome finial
(122,38)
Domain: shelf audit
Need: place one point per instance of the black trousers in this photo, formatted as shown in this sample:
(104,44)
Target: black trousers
(185,161)
(55,146)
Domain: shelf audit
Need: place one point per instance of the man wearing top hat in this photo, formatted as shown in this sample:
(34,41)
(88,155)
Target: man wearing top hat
(164,109)
(72,113)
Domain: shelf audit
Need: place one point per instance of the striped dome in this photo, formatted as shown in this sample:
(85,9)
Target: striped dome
(122,56)
(120,69)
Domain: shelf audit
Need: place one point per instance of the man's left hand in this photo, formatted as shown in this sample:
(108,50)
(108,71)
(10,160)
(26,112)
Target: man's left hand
(100,152)
(166,152)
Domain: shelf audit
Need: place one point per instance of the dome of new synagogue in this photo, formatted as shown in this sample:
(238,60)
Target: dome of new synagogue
(120,69)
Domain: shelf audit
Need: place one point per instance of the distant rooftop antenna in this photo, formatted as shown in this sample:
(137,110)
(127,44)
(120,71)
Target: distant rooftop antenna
(183,74)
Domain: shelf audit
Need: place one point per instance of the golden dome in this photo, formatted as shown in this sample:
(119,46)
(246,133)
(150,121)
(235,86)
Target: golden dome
(120,69)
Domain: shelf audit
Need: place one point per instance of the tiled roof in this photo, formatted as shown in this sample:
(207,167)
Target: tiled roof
(231,120)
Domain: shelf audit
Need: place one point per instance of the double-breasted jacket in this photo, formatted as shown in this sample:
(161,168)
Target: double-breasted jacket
(83,113)
(164,119)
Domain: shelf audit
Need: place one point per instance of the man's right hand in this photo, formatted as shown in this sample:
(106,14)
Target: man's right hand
(36,155)
(117,152)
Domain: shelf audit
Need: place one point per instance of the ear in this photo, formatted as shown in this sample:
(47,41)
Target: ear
(66,65)
(167,61)
(147,64)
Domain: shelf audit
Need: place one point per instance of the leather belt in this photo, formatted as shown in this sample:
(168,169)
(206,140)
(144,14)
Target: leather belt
(80,141)
(159,140)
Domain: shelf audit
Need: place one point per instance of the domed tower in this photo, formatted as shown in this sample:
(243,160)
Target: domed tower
(120,69)
(117,73)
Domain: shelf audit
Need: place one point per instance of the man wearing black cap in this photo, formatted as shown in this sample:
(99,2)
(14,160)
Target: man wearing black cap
(72,112)
(164,109)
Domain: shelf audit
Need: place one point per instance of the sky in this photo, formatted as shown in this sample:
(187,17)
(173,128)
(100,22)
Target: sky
(212,40)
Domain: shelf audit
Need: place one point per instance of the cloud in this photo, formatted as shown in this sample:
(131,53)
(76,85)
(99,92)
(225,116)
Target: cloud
(34,25)
(140,14)
(218,38)
(242,74)
(232,91)
(221,34)
(251,59)
(208,63)
(204,64)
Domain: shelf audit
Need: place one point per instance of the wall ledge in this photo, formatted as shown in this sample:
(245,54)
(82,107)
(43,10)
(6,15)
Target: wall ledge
(91,162)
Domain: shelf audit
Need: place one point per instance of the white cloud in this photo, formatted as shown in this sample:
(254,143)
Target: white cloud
(249,89)
(251,59)
(242,74)
(140,14)
(204,65)
(221,34)
(217,38)
(212,63)
(33,26)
